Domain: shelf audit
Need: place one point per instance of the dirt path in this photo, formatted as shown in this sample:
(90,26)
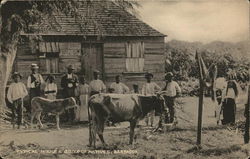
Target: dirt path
(218,142)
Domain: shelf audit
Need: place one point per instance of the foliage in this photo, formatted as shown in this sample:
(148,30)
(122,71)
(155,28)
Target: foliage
(182,63)
(179,62)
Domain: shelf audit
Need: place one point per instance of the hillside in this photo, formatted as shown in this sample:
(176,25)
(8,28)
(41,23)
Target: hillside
(237,50)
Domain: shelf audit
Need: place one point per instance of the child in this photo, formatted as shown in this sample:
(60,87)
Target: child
(82,92)
(135,89)
(149,89)
(16,92)
(50,90)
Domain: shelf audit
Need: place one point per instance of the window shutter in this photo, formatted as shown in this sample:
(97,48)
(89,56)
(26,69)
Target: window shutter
(49,57)
(135,57)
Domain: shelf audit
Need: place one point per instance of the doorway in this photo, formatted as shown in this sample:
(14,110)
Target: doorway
(91,59)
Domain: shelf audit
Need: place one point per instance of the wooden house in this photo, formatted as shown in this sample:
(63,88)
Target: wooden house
(114,42)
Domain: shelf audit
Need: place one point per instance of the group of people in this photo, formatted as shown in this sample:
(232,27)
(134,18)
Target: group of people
(74,86)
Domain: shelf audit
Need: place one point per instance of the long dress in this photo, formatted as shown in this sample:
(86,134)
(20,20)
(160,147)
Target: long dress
(50,91)
(82,91)
(229,107)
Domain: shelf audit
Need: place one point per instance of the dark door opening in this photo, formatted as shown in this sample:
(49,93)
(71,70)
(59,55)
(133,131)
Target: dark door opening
(91,59)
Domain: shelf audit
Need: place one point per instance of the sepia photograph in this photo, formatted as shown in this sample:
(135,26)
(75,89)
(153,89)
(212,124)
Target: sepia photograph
(129,79)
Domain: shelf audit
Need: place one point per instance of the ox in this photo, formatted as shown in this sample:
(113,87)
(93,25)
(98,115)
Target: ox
(119,108)
(54,107)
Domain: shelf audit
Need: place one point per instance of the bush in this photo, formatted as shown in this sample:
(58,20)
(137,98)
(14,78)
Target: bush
(190,87)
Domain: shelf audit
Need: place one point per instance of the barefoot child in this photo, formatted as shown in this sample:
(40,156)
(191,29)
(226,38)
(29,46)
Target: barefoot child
(16,92)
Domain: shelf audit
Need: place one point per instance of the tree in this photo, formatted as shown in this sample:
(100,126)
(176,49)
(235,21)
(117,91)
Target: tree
(180,62)
(20,16)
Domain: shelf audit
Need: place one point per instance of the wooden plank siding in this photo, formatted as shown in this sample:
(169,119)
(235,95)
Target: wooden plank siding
(70,53)
(115,54)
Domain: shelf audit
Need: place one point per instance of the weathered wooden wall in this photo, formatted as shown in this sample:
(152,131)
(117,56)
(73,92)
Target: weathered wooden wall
(70,53)
(115,63)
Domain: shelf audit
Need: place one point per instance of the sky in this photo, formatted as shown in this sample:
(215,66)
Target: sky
(198,20)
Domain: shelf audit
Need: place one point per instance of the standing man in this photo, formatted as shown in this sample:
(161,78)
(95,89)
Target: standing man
(97,85)
(35,80)
(149,89)
(119,87)
(69,82)
(16,92)
(171,91)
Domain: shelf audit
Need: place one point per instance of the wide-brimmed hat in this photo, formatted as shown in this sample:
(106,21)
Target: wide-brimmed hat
(70,67)
(148,74)
(34,66)
(169,74)
(16,74)
(96,71)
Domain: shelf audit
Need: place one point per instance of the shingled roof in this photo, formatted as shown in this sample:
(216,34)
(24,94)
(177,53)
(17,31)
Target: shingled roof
(107,20)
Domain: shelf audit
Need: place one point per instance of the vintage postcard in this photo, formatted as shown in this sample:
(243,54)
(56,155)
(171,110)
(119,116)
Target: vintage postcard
(111,79)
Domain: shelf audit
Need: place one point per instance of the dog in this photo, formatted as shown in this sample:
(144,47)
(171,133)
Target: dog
(54,107)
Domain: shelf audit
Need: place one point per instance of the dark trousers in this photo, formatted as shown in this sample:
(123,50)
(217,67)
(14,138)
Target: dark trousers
(229,111)
(170,102)
(70,113)
(17,112)
(34,92)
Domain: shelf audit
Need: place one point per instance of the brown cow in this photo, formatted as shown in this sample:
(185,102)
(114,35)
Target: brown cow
(119,108)
(54,107)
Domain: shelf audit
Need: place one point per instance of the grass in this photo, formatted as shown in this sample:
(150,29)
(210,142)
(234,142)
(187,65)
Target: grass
(217,141)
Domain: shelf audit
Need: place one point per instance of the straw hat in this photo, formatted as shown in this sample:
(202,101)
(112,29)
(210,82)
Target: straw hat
(96,72)
(169,74)
(34,66)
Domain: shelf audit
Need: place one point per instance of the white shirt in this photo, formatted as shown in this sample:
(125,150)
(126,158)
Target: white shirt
(50,87)
(172,89)
(149,89)
(119,88)
(97,85)
(38,77)
(16,91)
(69,76)
(82,89)
(230,93)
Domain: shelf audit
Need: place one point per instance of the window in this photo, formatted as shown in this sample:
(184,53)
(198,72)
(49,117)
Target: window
(49,57)
(134,56)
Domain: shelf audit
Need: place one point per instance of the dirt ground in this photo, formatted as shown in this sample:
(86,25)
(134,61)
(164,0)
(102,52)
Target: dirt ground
(71,141)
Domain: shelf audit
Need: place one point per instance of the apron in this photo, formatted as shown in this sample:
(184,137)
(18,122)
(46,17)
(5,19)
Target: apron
(82,112)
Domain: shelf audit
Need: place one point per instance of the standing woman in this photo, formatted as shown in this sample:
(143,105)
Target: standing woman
(82,93)
(229,104)
(50,89)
